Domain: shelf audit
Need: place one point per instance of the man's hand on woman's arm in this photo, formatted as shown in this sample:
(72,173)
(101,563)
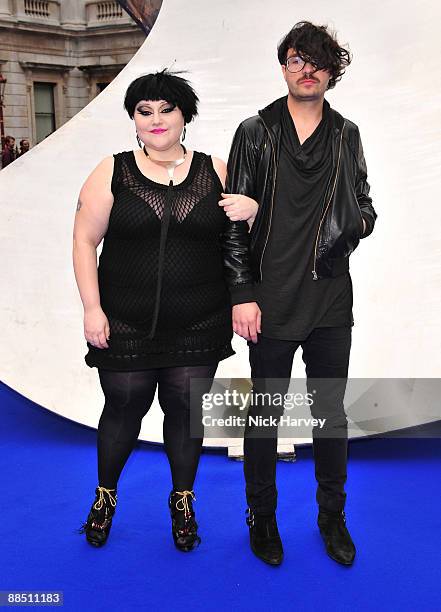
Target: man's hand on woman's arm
(239,207)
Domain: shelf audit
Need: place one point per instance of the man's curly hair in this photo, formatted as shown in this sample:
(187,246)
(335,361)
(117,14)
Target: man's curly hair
(315,44)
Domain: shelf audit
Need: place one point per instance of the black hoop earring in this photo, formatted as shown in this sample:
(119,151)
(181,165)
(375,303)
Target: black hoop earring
(139,140)
(184,132)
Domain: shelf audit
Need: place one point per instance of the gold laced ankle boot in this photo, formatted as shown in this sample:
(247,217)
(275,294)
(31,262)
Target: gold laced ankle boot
(184,526)
(98,524)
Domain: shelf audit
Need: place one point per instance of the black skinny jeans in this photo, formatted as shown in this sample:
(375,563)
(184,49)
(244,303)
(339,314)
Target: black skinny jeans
(326,355)
(128,397)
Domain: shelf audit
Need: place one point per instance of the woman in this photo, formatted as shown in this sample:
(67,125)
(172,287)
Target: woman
(157,311)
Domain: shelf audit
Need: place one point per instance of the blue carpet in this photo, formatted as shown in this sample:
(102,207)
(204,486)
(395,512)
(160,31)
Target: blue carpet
(48,467)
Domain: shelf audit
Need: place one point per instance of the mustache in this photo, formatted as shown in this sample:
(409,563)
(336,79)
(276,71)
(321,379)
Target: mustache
(307,78)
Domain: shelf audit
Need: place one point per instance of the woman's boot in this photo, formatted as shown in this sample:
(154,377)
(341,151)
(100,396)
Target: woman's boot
(98,524)
(184,526)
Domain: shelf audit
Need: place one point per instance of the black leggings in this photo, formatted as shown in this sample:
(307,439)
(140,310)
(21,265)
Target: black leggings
(128,397)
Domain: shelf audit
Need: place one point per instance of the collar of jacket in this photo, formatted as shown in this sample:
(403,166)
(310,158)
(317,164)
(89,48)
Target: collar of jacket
(271,117)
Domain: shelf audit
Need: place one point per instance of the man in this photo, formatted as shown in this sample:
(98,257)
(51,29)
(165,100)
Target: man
(8,153)
(304,165)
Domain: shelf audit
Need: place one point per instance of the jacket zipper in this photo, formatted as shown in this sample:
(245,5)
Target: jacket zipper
(272,198)
(314,272)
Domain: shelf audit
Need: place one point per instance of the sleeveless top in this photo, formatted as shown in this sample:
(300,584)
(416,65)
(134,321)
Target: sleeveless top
(160,273)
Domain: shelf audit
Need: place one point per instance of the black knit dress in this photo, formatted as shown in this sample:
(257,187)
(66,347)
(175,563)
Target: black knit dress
(160,273)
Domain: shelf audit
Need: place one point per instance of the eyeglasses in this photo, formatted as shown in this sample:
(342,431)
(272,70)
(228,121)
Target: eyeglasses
(296,64)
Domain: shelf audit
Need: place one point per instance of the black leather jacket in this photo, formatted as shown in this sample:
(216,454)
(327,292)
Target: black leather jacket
(252,171)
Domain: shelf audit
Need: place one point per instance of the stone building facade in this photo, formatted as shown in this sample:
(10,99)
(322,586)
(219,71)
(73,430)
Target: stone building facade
(57,55)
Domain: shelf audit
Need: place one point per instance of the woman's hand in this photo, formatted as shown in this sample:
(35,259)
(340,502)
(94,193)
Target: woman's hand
(96,327)
(239,207)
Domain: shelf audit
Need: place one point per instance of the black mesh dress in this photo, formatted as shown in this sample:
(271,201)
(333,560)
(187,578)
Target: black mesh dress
(160,273)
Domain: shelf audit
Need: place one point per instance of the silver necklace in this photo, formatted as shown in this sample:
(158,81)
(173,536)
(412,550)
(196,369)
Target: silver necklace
(169,165)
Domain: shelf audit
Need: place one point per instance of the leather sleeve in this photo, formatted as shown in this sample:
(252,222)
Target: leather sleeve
(236,254)
(362,190)
(242,163)
(241,171)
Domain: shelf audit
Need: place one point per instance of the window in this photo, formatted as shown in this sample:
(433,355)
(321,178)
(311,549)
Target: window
(44,110)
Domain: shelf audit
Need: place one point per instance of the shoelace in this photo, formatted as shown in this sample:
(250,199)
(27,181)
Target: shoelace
(98,505)
(183,501)
(100,502)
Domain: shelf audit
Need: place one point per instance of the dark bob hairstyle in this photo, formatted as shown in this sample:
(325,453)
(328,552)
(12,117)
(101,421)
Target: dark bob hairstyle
(166,86)
(315,44)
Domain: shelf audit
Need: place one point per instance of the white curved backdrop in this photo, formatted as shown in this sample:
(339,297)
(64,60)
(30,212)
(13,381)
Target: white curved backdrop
(392,91)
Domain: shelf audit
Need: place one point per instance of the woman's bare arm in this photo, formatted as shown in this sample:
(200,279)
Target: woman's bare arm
(91,221)
(221,169)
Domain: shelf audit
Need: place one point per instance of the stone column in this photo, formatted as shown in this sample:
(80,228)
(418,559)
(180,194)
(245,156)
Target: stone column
(5,9)
(73,14)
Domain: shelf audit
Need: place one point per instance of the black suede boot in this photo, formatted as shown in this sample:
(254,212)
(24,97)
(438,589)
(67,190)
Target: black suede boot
(98,524)
(336,537)
(264,537)
(184,526)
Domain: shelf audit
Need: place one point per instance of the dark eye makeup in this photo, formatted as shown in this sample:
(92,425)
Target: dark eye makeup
(146,112)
